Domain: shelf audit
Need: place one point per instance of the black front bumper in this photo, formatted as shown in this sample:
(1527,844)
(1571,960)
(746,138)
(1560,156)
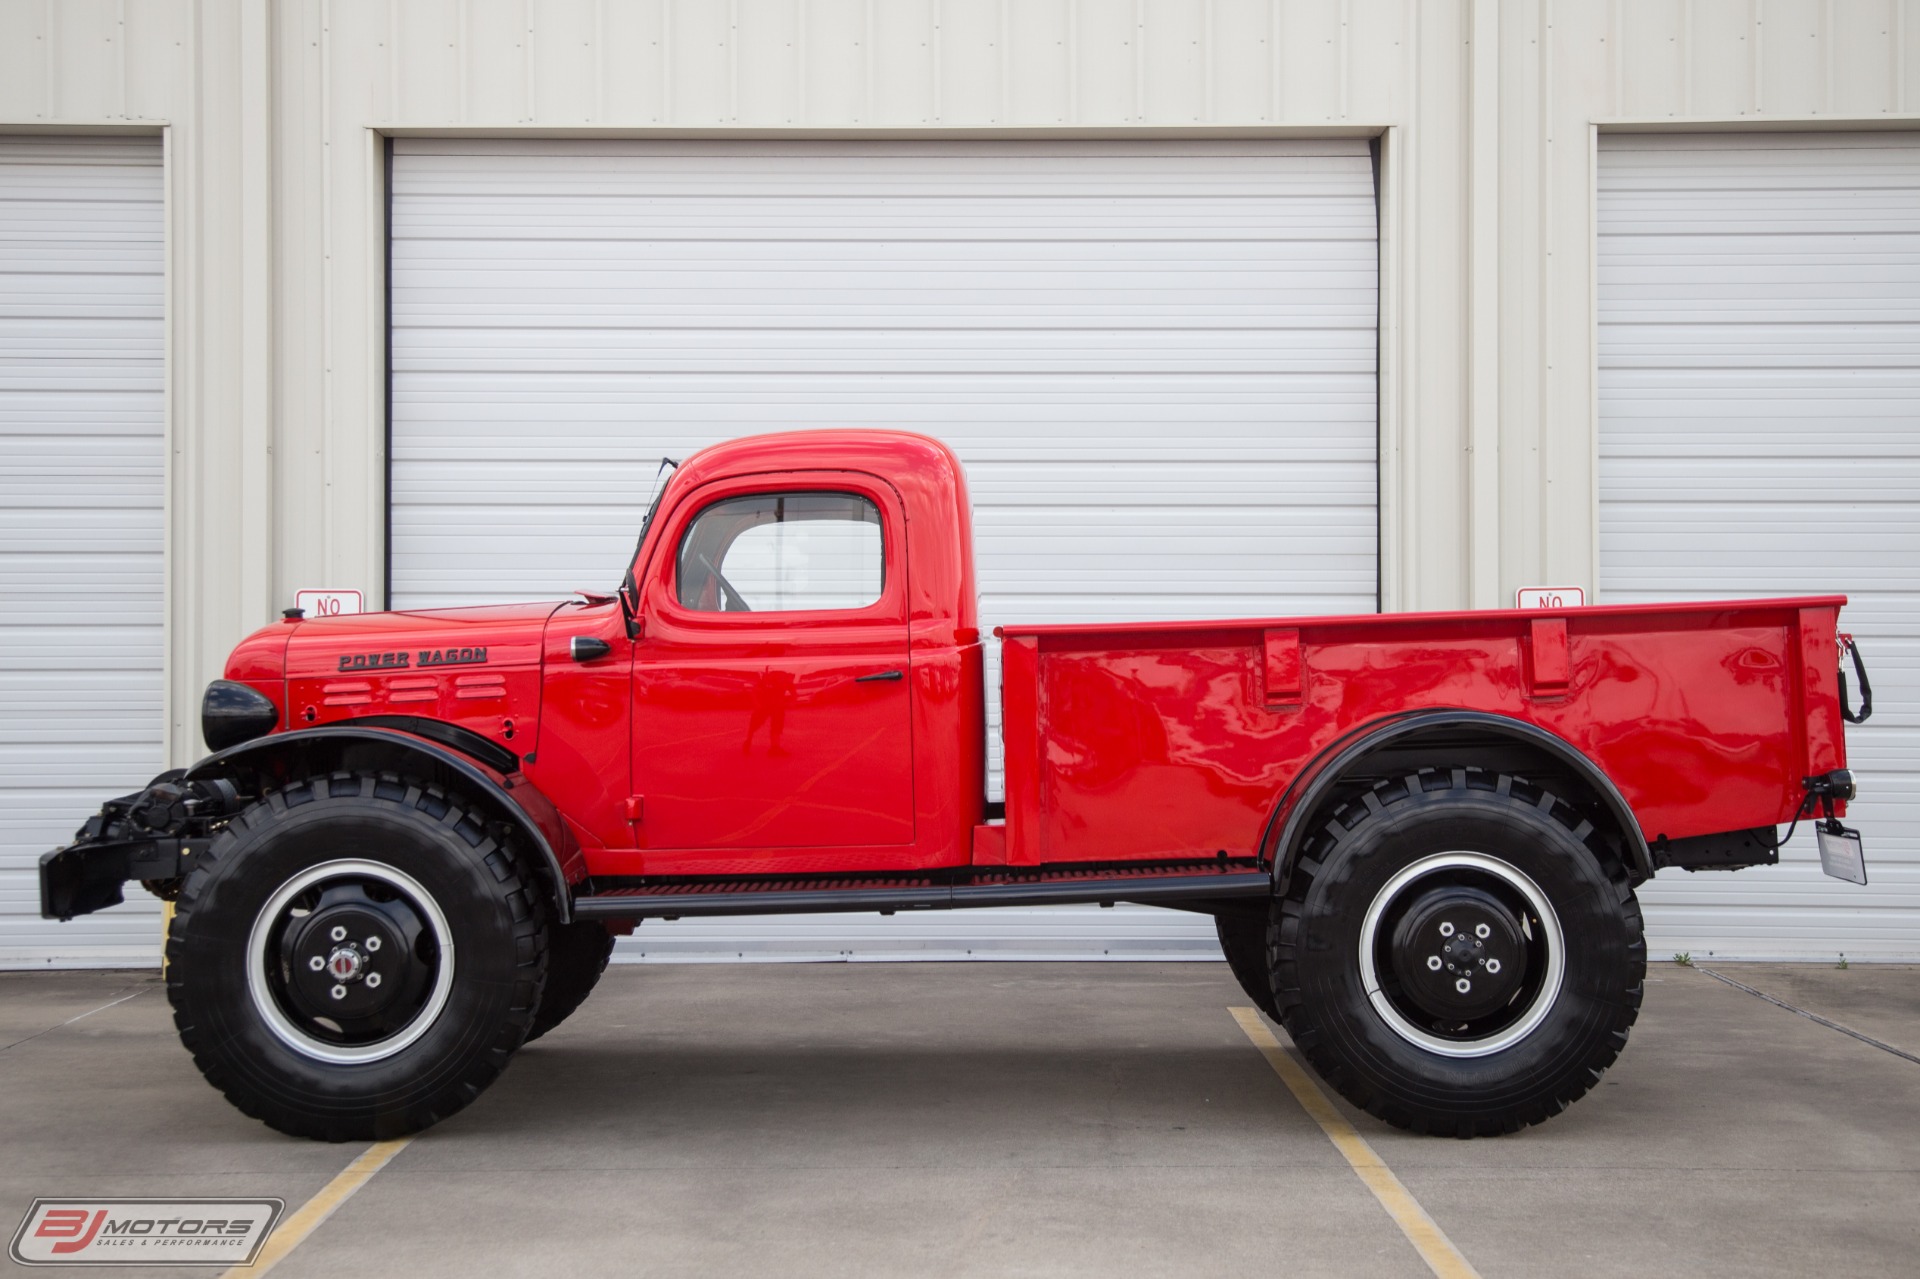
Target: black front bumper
(151,835)
(88,876)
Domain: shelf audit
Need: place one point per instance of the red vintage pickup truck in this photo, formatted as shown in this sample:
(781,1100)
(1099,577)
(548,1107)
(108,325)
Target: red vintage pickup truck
(1419,834)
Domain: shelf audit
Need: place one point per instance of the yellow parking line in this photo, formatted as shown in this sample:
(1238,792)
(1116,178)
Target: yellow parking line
(1427,1238)
(294,1230)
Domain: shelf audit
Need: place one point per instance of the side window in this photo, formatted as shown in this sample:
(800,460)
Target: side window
(781,552)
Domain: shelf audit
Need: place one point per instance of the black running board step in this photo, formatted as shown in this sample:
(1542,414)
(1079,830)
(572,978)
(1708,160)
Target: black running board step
(1138,889)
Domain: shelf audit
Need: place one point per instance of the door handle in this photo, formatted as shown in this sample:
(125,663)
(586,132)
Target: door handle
(878,676)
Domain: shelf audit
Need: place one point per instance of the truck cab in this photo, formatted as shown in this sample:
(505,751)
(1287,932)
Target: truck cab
(805,662)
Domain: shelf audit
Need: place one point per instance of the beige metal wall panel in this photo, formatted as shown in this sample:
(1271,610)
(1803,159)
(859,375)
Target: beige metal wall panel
(275,200)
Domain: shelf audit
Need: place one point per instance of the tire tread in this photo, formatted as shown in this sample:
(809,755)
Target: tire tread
(514,883)
(1289,916)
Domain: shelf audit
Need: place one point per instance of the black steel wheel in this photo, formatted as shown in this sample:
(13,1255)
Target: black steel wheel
(355,957)
(577,954)
(1243,940)
(1458,953)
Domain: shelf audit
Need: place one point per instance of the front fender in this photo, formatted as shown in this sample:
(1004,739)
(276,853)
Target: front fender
(284,757)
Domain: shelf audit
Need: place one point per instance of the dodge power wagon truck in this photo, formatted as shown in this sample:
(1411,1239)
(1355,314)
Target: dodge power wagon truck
(1419,834)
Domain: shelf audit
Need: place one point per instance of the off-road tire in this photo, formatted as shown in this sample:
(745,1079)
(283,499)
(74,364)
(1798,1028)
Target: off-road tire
(496,925)
(1350,863)
(1243,940)
(577,954)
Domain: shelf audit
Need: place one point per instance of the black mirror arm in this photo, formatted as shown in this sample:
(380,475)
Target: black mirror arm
(629,612)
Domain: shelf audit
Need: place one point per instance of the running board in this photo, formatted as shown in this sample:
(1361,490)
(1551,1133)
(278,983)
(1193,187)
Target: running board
(710,898)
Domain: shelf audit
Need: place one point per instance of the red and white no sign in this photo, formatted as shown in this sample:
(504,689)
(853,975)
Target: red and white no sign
(329,603)
(1550,597)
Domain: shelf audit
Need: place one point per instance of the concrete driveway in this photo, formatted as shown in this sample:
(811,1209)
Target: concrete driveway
(990,1119)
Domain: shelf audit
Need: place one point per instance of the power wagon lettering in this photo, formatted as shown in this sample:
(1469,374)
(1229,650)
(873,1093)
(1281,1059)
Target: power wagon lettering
(452,656)
(372,661)
(400,661)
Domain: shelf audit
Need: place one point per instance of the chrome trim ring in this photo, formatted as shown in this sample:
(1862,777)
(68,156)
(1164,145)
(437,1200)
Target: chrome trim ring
(260,938)
(1554,942)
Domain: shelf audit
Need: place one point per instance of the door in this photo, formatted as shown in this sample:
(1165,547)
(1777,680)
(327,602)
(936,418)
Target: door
(1759,384)
(771,704)
(82,519)
(1151,354)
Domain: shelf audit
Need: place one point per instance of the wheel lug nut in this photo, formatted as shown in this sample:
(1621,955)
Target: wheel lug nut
(1482,931)
(1433,963)
(1493,965)
(339,992)
(1463,985)
(317,963)
(1446,929)
(373,943)
(339,932)
(373,979)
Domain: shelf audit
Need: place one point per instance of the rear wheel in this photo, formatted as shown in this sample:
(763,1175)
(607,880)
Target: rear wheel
(1457,953)
(355,957)
(1243,940)
(577,955)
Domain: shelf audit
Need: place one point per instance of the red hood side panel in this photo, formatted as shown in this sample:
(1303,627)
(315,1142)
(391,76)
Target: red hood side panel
(475,667)
(510,634)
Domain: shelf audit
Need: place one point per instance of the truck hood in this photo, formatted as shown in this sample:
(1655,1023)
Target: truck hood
(494,636)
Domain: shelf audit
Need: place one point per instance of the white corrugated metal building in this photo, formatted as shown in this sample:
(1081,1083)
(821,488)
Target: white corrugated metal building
(1230,306)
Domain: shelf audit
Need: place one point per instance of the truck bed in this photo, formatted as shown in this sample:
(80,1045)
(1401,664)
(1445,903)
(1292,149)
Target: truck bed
(1158,741)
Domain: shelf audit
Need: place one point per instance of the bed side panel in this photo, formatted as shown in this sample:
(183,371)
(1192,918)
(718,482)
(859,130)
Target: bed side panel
(1158,743)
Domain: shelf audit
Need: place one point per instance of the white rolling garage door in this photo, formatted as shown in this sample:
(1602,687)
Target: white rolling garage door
(1156,360)
(82,459)
(1760,435)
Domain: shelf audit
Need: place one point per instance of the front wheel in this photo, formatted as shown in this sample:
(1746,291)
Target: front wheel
(355,957)
(1458,954)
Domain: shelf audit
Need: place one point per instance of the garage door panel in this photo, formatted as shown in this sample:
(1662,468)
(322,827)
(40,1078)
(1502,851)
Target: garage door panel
(1147,417)
(1847,345)
(1759,385)
(1320,306)
(1889,479)
(1042,482)
(1144,220)
(1157,362)
(125,416)
(28,297)
(502,358)
(82,468)
(518,261)
(122,764)
(1878,392)
(110,705)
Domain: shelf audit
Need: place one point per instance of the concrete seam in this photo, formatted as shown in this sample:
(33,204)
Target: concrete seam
(1813,1017)
(69,1021)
